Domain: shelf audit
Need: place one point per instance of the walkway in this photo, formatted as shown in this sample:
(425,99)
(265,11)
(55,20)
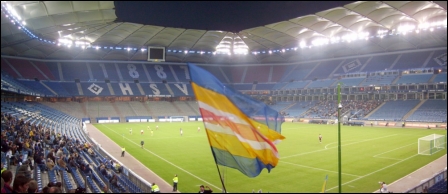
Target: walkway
(129,161)
(412,180)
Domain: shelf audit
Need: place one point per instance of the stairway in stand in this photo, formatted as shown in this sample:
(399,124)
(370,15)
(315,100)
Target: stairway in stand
(118,111)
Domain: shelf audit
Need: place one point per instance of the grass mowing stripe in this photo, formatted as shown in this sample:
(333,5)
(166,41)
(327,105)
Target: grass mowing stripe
(166,160)
(194,155)
(336,147)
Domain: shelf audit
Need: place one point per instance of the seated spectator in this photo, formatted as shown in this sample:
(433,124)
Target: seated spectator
(72,162)
(18,159)
(45,189)
(87,170)
(3,168)
(54,190)
(2,183)
(62,164)
(104,189)
(91,152)
(117,167)
(41,163)
(51,156)
(80,190)
(21,184)
(24,169)
(33,187)
(103,170)
(114,180)
(50,164)
(7,178)
(59,153)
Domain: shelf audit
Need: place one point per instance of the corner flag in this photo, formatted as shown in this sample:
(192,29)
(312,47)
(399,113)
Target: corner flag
(325,184)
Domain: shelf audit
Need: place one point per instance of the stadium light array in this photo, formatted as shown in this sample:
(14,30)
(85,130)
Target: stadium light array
(231,43)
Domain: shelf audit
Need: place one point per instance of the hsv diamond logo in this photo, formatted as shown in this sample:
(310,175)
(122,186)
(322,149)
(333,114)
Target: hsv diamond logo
(352,65)
(441,59)
(96,89)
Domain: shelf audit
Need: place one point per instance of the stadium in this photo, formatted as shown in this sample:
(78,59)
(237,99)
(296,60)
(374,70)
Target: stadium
(79,85)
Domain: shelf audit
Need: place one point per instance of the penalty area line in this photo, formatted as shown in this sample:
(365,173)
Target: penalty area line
(336,147)
(319,169)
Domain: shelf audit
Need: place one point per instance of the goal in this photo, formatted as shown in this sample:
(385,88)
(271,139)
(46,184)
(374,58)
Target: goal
(176,119)
(431,144)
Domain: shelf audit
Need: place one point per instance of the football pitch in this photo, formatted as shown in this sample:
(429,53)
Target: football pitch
(369,155)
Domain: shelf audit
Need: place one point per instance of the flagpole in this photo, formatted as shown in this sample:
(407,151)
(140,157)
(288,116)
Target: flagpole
(339,137)
(214,157)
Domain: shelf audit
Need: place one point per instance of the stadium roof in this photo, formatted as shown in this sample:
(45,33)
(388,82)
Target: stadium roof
(44,29)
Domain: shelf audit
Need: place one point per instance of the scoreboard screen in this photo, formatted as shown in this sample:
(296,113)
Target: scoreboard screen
(156,54)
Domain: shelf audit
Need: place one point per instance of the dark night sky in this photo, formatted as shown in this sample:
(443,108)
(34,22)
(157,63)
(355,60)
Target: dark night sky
(231,16)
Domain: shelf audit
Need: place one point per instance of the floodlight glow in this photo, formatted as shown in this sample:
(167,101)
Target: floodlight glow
(423,25)
(302,44)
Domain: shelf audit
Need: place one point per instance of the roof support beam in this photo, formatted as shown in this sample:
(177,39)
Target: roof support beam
(130,34)
(146,43)
(197,40)
(396,9)
(376,22)
(308,29)
(176,37)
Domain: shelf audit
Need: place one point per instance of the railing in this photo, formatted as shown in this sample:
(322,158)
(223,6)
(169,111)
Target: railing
(440,176)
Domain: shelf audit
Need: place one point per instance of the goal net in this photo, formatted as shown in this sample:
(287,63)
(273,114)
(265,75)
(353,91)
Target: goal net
(431,144)
(176,119)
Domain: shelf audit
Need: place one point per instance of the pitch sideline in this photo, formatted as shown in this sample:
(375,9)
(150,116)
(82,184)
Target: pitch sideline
(373,172)
(166,160)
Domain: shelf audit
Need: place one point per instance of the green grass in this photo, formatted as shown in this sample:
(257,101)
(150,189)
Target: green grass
(369,155)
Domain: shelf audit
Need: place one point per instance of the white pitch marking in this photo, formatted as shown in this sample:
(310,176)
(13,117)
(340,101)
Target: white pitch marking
(167,161)
(379,155)
(336,147)
(388,158)
(334,143)
(393,150)
(374,172)
(319,169)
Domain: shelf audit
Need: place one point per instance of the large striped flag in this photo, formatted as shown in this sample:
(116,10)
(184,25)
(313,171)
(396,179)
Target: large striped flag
(242,132)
